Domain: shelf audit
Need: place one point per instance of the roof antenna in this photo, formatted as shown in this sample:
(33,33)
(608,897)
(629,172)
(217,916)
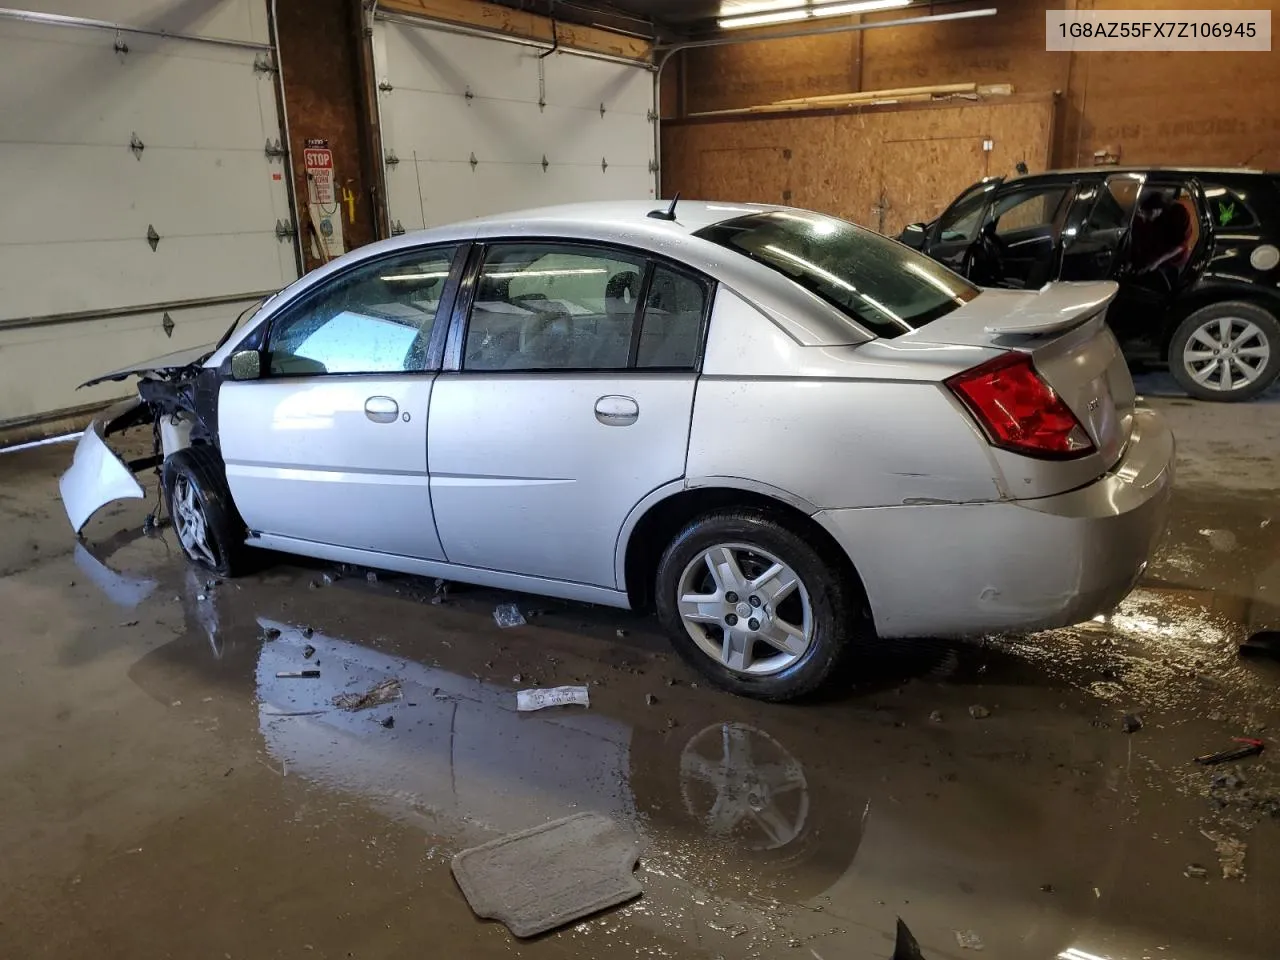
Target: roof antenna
(669,213)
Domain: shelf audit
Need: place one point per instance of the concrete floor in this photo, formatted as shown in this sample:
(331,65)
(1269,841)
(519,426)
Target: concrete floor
(165,795)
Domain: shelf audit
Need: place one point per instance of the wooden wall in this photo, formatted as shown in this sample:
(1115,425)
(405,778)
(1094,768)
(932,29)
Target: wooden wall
(1151,108)
(879,167)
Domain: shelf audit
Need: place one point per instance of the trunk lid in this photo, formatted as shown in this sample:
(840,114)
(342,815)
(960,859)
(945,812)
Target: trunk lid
(1063,328)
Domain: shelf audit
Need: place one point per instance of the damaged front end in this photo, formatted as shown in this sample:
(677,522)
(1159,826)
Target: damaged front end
(176,395)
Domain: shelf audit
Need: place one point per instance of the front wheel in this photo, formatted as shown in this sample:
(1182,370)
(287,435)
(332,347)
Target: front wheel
(204,518)
(1226,351)
(753,606)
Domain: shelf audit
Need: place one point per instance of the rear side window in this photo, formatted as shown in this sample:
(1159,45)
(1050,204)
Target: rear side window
(1227,208)
(884,286)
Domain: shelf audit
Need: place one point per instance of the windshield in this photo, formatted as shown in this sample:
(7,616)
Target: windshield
(883,285)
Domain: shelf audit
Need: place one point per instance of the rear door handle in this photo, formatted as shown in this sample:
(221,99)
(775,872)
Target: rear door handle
(381,410)
(615,411)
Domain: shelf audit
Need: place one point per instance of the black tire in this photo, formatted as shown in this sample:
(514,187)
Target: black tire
(837,625)
(202,468)
(1237,309)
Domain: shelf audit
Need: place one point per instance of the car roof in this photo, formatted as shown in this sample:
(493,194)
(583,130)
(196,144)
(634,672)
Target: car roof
(806,317)
(1108,170)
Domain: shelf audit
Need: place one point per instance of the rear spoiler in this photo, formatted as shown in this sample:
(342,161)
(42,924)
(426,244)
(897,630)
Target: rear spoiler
(1056,307)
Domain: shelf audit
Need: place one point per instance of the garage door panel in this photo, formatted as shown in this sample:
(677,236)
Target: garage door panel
(106,275)
(225,19)
(585,83)
(178,191)
(106,98)
(65,355)
(434,131)
(440,62)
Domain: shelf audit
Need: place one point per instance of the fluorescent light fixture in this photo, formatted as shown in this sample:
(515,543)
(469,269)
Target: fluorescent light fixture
(512,274)
(416,276)
(810,13)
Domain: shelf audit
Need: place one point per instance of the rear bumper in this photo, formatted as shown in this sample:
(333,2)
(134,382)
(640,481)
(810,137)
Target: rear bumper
(965,569)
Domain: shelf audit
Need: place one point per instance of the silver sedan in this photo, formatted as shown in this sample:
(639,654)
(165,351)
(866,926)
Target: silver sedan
(788,434)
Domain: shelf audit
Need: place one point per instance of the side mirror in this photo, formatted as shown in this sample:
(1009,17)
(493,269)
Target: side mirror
(913,235)
(246,365)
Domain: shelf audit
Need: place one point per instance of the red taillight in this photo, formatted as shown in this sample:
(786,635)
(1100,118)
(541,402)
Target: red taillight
(1019,411)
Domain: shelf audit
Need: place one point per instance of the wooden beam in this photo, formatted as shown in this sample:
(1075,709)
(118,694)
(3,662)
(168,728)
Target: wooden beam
(527,26)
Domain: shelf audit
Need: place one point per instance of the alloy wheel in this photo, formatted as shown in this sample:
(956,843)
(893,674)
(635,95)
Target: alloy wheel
(1226,353)
(746,609)
(190,523)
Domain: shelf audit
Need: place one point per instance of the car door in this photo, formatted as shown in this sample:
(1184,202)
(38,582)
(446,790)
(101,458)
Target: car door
(1017,245)
(1098,227)
(954,233)
(329,444)
(566,398)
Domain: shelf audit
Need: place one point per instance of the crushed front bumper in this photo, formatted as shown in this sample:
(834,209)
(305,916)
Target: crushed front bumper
(1015,565)
(97,476)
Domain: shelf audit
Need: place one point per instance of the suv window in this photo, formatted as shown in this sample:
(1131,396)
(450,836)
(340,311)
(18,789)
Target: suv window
(545,306)
(961,222)
(1228,209)
(376,318)
(1114,207)
(885,286)
(1027,209)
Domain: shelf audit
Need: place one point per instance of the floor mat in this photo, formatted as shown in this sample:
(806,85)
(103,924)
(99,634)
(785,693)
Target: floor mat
(539,879)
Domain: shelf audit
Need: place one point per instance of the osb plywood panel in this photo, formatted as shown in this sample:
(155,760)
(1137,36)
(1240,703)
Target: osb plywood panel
(881,168)
(1008,47)
(1187,108)
(743,75)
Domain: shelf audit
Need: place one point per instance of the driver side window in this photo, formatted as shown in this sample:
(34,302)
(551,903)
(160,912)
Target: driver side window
(377,318)
(961,222)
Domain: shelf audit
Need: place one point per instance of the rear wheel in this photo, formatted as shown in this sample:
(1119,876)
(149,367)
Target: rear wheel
(1226,351)
(207,523)
(755,607)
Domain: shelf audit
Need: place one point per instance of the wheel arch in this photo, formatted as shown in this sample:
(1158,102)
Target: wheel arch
(663,513)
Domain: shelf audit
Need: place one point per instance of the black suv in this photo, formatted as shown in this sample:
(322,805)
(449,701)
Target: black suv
(1195,253)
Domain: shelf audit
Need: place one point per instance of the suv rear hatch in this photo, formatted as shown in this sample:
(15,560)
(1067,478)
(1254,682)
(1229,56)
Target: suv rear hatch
(1062,329)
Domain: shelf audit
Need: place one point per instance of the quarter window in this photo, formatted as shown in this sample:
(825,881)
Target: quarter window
(377,318)
(672,321)
(1227,208)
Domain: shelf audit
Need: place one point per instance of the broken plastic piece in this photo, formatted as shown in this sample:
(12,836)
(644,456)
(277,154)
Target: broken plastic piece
(508,615)
(297,674)
(384,692)
(527,700)
(905,946)
(968,940)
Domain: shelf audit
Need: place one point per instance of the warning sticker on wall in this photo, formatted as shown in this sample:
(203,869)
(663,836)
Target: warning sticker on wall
(322,200)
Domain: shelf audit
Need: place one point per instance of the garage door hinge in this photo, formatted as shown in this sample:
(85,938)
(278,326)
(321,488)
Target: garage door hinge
(285,230)
(473,161)
(390,159)
(385,86)
(273,150)
(262,63)
(651,116)
(137,146)
(653,166)
(167,323)
(397,228)
(153,238)
(120,46)
(602,111)
(468,95)
(604,164)
(545,163)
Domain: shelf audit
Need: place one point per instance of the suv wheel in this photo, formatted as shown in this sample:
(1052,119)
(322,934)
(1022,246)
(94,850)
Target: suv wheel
(204,518)
(754,607)
(1226,351)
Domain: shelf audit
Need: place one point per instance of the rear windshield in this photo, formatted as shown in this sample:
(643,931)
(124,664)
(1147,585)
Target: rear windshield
(883,285)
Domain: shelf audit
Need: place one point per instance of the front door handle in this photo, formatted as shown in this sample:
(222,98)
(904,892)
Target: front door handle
(381,410)
(614,411)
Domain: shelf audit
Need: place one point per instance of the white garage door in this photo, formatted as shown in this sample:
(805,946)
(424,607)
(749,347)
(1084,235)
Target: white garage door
(473,125)
(83,289)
